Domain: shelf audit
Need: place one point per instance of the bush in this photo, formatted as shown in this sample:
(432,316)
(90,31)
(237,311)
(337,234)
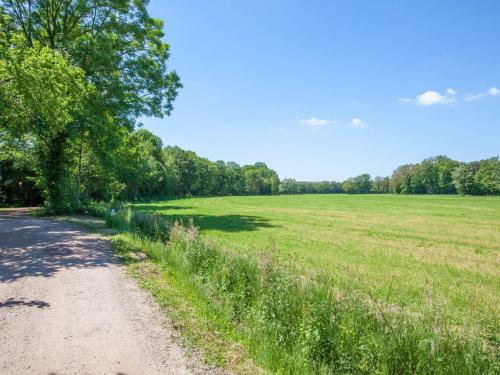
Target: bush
(149,225)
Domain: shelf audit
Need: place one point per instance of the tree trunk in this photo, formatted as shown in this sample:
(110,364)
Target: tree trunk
(54,173)
(78,182)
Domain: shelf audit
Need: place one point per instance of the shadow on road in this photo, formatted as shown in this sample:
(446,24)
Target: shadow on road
(33,247)
(11,302)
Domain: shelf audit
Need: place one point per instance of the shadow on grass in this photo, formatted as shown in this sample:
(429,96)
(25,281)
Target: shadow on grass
(158,207)
(226,223)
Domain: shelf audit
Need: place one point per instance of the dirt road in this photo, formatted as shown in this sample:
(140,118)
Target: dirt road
(67,307)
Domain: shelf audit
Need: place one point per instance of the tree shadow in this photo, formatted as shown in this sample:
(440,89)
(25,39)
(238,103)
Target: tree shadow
(33,247)
(225,223)
(118,373)
(11,302)
(155,207)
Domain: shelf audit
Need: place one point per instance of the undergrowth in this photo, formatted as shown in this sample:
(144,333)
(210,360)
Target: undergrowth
(289,325)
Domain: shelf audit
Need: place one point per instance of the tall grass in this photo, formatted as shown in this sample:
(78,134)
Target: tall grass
(290,325)
(149,225)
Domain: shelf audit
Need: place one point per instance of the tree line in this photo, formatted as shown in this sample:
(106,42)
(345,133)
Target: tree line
(434,175)
(139,167)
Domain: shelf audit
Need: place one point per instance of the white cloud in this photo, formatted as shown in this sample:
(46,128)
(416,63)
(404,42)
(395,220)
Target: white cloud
(356,122)
(432,97)
(493,91)
(316,122)
(470,98)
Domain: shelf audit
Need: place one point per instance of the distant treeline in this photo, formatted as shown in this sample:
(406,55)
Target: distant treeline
(435,175)
(139,166)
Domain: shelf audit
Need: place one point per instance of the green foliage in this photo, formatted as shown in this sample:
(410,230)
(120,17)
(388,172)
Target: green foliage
(401,179)
(478,178)
(435,175)
(441,175)
(488,176)
(361,184)
(193,175)
(259,179)
(238,280)
(149,225)
(291,186)
(73,76)
(116,43)
(40,97)
(381,185)
(17,177)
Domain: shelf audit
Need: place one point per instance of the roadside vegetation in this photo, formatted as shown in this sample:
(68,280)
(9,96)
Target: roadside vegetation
(264,309)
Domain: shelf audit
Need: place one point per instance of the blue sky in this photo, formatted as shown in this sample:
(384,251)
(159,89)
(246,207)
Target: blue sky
(325,90)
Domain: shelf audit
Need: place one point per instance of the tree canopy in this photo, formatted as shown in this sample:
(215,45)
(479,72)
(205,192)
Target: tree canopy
(73,74)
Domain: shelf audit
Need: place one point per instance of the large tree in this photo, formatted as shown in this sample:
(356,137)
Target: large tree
(41,95)
(118,47)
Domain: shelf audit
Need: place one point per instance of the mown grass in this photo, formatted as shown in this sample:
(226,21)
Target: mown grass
(415,252)
(284,322)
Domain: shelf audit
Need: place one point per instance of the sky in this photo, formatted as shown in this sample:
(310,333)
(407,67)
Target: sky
(326,90)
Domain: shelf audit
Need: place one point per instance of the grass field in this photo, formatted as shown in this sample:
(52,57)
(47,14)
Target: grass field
(422,253)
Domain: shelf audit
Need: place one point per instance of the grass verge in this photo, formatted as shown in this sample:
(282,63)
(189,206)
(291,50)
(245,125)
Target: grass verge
(247,313)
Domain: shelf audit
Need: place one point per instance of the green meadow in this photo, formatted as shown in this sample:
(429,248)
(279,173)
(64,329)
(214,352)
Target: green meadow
(421,254)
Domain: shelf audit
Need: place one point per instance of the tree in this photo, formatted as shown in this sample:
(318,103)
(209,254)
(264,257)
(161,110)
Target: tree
(115,46)
(156,180)
(259,179)
(184,163)
(401,179)
(424,179)
(17,173)
(445,167)
(288,186)
(41,95)
(235,179)
(361,184)
(487,177)
(381,185)
(291,186)
(463,179)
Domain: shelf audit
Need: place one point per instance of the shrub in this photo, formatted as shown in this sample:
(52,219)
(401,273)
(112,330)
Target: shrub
(149,225)
(238,280)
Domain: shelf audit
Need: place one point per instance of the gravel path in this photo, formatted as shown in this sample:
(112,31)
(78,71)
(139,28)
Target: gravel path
(68,307)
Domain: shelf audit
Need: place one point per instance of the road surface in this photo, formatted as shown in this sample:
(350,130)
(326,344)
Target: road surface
(68,307)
